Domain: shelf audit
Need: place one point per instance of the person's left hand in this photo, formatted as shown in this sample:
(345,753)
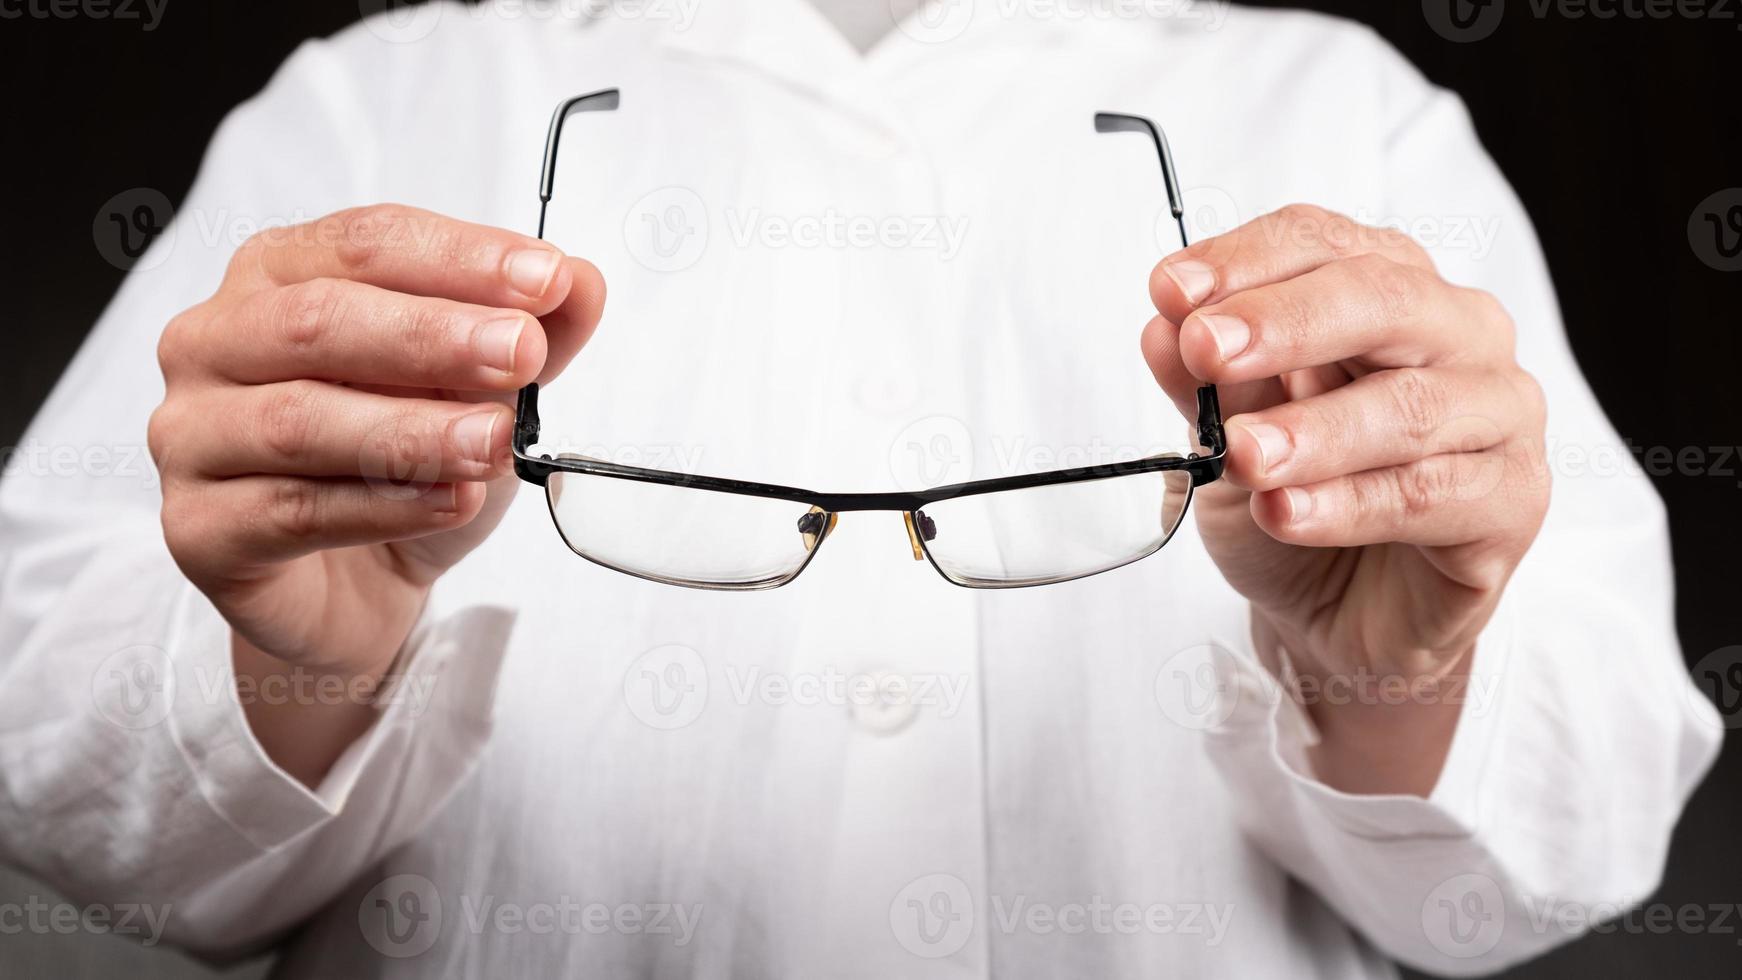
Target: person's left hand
(1385,467)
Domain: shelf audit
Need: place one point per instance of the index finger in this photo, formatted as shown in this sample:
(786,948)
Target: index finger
(410,250)
(1275,247)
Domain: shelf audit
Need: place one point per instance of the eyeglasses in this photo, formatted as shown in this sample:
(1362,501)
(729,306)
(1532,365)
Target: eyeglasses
(710,533)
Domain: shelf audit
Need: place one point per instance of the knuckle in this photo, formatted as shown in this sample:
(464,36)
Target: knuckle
(160,432)
(288,419)
(301,315)
(361,236)
(1313,433)
(246,259)
(1417,489)
(1412,249)
(414,441)
(174,345)
(1493,313)
(430,338)
(1310,223)
(1393,287)
(294,508)
(1301,213)
(178,519)
(1370,496)
(254,244)
(1418,402)
(1398,244)
(1531,393)
(192,519)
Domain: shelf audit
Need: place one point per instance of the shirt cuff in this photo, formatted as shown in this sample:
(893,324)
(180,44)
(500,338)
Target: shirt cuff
(264,804)
(1266,733)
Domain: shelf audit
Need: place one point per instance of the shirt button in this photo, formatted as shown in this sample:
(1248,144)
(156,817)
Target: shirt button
(885,705)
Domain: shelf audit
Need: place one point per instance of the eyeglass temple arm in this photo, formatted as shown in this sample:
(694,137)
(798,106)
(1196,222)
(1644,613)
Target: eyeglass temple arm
(604,100)
(526,423)
(1210,434)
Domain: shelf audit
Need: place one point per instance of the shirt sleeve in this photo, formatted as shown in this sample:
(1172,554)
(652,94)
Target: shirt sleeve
(1581,735)
(128,771)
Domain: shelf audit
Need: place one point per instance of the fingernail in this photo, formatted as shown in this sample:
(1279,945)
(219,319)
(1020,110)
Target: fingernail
(1273,444)
(1195,280)
(499,340)
(475,435)
(443,498)
(1230,333)
(1300,504)
(531,270)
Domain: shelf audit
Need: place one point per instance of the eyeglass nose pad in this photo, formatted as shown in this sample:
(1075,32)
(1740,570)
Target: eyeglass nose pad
(815,526)
(918,526)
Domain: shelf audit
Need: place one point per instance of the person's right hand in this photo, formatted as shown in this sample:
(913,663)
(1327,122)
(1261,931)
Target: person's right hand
(338,359)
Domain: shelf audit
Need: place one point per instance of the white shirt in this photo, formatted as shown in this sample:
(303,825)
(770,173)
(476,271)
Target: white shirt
(588,774)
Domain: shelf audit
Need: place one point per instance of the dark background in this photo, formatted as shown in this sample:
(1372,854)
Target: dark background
(1615,131)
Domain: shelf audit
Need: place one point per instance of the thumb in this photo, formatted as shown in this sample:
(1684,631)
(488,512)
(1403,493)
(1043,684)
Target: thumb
(568,327)
(1161,350)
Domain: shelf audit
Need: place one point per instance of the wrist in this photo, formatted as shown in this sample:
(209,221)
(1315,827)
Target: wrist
(1368,747)
(303,715)
(1381,729)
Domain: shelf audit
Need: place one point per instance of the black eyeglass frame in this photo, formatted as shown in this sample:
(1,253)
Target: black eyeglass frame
(537,470)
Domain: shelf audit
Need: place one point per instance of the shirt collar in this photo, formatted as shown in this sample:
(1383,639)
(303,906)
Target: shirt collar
(793,40)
